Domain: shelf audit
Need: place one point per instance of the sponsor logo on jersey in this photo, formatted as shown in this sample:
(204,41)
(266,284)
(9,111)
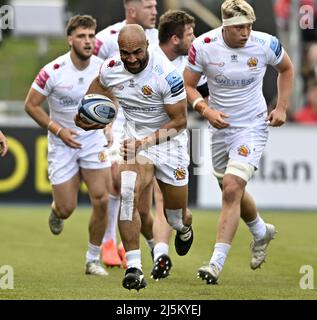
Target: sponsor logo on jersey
(69,87)
(158,69)
(102,156)
(234,58)
(252,62)
(218,64)
(120,87)
(147,90)
(176,83)
(81,80)
(67,101)
(113,63)
(209,40)
(226,82)
(276,46)
(243,151)
(42,78)
(131,83)
(180,173)
(258,40)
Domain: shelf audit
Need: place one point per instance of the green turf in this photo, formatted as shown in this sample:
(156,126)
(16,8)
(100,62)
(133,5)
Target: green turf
(51,267)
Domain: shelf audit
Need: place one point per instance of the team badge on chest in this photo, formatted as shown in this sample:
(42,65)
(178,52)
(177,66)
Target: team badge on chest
(252,62)
(147,91)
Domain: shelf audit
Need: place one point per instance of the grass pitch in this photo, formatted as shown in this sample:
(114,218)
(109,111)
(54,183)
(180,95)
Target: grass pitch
(52,267)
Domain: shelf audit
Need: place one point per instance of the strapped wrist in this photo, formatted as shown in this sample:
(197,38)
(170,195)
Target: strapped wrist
(59,131)
(196,101)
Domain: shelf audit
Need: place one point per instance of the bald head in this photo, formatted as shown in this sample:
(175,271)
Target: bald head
(132,33)
(133,47)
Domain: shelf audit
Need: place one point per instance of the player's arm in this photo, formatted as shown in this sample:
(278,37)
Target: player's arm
(277,117)
(33,106)
(177,113)
(97,88)
(215,117)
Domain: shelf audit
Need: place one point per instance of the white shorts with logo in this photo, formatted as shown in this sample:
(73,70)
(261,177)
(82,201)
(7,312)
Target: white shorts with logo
(171,160)
(245,144)
(64,162)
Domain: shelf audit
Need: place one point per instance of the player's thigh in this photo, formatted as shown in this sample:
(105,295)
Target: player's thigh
(98,181)
(174,197)
(158,198)
(247,144)
(65,194)
(115,178)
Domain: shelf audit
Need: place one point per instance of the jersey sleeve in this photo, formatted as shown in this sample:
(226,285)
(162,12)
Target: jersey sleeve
(194,58)
(43,82)
(275,51)
(173,90)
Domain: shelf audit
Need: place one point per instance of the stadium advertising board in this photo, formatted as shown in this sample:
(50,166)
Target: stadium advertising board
(286,179)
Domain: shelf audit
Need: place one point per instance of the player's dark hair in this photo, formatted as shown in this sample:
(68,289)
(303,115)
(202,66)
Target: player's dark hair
(173,22)
(84,21)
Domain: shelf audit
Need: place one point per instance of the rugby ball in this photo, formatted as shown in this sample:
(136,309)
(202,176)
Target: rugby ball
(96,108)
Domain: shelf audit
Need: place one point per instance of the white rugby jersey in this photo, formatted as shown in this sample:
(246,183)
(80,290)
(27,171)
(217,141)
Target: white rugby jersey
(64,86)
(107,46)
(179,63)
(235,75)
(106,40)
(142,96)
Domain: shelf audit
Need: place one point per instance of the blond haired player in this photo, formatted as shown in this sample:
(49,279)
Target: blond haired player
(234,58)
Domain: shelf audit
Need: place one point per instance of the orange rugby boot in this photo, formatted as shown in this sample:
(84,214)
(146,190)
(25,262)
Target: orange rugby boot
(121,253)
(109,254)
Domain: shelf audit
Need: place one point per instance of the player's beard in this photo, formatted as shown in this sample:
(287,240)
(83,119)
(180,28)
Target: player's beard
(181,50)
(80,55)
(142,62)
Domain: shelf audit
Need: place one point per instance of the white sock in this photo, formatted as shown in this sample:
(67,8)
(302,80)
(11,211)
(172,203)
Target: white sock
(151,243)
(219,255)
(159,249)
(134,259)
(113,211)
(93,253)
(257,227)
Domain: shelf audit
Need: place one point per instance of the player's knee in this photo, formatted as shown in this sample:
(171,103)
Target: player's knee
(64,210)
(230,193)
(100,201)
(240,169)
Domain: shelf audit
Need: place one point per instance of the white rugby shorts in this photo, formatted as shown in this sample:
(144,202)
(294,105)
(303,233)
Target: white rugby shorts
(171,160)
(245,144)
(64,162)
